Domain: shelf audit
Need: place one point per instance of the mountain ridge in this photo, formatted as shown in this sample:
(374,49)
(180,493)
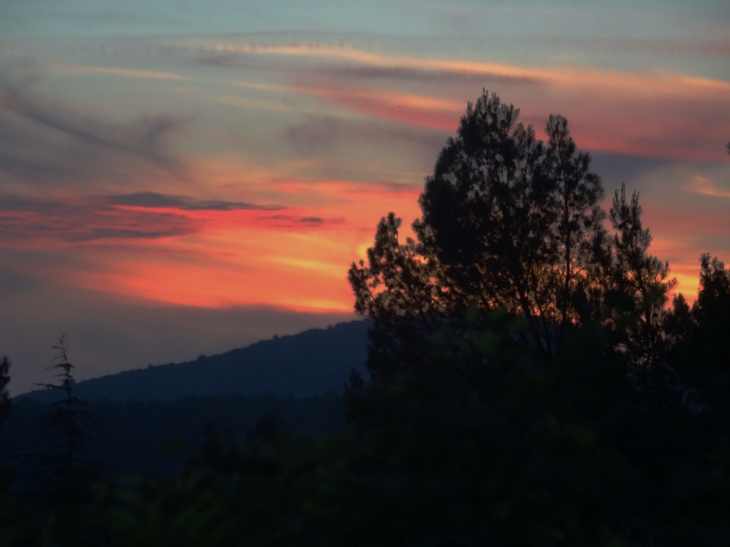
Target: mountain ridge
(310,363)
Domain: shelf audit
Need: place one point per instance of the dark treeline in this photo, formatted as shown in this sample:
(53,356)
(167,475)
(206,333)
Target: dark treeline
(529,384)
(156,438)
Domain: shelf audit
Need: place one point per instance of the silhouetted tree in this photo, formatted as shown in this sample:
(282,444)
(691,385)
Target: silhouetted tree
(67,435)
(512,223)
(578,225)
(5,401)
(66,479)
(66,476)
(7,475)
(700,345)
(637,293)
(712,311)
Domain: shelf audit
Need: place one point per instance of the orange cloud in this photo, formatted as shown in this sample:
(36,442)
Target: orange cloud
(74,220)
(295,258)
(215,253)
(703,185)
(404,107)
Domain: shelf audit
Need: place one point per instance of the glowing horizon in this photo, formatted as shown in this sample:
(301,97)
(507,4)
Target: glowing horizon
(177,163)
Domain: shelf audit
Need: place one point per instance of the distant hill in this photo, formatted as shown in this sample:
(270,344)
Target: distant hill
(311,363)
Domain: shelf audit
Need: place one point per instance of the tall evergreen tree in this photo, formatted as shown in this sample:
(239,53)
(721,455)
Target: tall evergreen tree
(65,424)
(577,192)
(65,473)
(637,284)
(700,346)
(486,211)
(513,223)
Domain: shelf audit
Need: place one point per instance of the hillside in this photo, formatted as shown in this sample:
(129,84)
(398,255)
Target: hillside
(311,363)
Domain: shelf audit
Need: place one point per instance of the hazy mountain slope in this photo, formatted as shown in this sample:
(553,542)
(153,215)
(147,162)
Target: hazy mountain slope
(313,362)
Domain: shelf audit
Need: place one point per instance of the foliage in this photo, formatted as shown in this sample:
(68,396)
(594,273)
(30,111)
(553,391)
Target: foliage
(636,294)
(156,438)
(556,451)
(512,223)
(512,246)
(700,346)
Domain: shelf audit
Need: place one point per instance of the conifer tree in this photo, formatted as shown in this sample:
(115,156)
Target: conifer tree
(5,402)
(513,223)
(639,284)
(699,342)
(578,221)
(65,473)
(65,422)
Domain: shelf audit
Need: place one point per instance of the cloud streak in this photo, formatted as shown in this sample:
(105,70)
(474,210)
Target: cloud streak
(296,154)
(154,200)
(651,113)
(90,69)
(693,126)
(48,144)
(654,82)
(40,222)
(703,185)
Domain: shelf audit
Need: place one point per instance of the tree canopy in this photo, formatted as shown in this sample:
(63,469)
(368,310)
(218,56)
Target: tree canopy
(526,317)
(513,223)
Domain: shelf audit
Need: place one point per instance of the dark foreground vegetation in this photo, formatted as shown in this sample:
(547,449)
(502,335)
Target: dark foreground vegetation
(156,438)
(529,384)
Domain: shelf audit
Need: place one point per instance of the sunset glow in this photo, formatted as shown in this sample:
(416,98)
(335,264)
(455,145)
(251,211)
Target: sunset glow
(222,169)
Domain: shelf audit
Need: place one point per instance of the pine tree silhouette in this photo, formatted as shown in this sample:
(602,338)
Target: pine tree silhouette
(65,474)
(5,401)
(512,223)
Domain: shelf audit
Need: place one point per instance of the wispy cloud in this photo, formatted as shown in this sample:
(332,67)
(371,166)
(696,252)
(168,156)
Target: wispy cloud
(335,136)
(297,222)
(39,222)
(260,86)
(412,67)
(49,144)
(125,72)
(682,47)
(405,107)
(703,185)
(652,113)
(348,54)
(154,200)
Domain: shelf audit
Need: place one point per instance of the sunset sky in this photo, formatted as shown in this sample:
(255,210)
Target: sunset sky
(185,177)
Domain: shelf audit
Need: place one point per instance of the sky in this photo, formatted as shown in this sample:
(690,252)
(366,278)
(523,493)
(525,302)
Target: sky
(185,177)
